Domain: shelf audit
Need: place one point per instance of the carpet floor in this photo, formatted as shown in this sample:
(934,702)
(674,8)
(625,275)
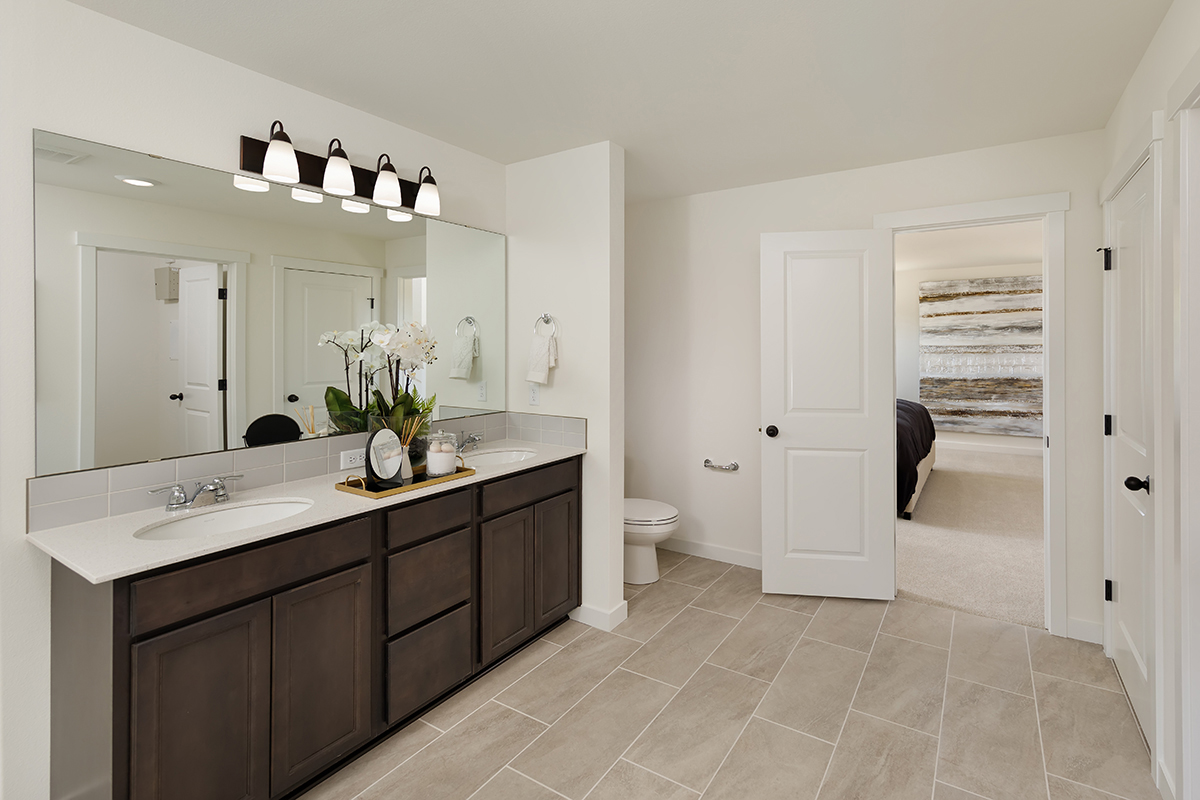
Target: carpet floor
(975,542)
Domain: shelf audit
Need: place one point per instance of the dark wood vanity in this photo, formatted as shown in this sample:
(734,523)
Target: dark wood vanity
(249,674)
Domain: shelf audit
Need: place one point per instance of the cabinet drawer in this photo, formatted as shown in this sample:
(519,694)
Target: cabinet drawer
(425,580)
(423,664)
(522,490)
(192,591)
(408,524)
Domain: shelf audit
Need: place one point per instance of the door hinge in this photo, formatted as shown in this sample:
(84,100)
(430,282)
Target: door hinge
(1107,257)
(1108,424)
(1047,442)
(1108,590)
(222,385)
(222,294)
(372,299)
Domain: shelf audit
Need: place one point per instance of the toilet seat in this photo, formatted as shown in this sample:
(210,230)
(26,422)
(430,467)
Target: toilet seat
(649,513)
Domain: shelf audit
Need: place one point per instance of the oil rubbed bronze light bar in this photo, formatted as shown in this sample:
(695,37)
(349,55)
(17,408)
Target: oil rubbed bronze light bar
(312,171)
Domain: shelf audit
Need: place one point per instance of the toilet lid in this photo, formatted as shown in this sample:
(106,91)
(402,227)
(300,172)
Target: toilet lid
(648,511)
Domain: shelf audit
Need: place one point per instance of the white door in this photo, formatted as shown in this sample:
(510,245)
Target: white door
(1131,374)
(316,302)
(828,414)
(201,349)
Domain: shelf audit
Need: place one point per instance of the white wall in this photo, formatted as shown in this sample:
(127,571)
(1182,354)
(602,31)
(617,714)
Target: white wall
(67,69)
(692,310)
(566,257)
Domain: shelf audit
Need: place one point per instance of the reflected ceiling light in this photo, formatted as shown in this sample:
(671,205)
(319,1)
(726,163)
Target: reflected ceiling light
(399,216)
(355,207)
(135,181)
(339,177)
(428,201)
(280,162)
(387,184)
(305,196)
(248,184)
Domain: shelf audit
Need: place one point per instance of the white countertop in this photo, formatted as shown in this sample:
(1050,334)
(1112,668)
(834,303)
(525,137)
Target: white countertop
(106,549)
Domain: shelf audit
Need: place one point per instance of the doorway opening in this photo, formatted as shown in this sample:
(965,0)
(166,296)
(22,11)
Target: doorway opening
(970,350)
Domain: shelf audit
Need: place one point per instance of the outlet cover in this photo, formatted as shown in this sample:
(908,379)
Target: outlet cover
(483,391)
(535,394)
(353,459)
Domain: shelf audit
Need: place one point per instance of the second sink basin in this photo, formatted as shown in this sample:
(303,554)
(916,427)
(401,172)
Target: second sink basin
(494,458)
(224,519)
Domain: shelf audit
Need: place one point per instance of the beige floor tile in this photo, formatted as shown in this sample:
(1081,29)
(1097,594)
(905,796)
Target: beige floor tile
(696,730)
(794,602)
(509,785)
(626,781)
(679,649)
(903,683)
(876,759)
(557,684)
(849,623)
(457,707)
(919,622)
(669,560)
(761,642)
(565,633)
(697,571)
(990,743)
(813,690)
(463,759)
(1072,659)
(1091,737)
(630,593)
(373,764)
(734,593)
(771,763)
(653,607)
(578,749)
(943,791)
(990,652)
(1061,789)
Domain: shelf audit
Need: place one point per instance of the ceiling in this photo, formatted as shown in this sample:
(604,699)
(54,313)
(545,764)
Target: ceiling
(703,95)
(980,246)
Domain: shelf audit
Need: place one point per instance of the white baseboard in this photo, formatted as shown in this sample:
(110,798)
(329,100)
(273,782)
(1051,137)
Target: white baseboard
(988,447)
(1166,784)
(598,618)
(716,552)
(1085,631)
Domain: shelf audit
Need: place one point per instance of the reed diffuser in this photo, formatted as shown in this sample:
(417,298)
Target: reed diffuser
(408,431)
(308,420)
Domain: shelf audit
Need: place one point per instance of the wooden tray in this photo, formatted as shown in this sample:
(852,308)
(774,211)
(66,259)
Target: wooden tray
(348,485)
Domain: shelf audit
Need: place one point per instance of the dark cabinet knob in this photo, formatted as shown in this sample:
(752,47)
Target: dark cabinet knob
(1134,484)
(293,398)
(177,396)
(772,431)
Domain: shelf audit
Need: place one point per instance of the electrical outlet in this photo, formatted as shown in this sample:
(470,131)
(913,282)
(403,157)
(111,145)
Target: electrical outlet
(535,394)
(353,459)
(483,391)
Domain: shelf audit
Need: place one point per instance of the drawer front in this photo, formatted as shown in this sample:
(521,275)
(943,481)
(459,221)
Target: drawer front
(408,524)
(423,664)
(425,580)
(192,591)
(522,490)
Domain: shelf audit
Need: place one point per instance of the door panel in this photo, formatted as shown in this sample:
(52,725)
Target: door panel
(506,580)
(828,386)
(201,350)
(556,557)
(316,302)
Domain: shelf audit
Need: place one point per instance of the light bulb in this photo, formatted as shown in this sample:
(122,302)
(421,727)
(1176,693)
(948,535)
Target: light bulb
(280,162)
(339,177)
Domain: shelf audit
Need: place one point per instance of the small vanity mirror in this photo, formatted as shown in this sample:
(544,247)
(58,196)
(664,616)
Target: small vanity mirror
(385,459)
(174,308)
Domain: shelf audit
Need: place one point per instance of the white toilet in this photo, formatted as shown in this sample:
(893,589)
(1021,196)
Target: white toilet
(647,522)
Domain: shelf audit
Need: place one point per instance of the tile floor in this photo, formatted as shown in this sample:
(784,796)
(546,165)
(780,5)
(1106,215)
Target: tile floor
(712,689)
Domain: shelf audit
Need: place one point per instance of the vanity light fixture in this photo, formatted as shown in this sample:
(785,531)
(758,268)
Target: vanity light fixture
(399,216)
(248,184)
(355,207)
(428,201)
(339,177)
(305,196)
(387,184)
(135,181)
(280,163)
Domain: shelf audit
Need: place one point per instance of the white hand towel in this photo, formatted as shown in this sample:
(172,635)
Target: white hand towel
(543,354)
(463,358)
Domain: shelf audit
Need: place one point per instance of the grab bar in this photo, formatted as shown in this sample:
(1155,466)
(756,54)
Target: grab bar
(730,467)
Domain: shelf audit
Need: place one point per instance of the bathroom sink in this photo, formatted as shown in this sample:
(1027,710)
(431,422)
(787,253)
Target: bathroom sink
(224,518)
(495,458)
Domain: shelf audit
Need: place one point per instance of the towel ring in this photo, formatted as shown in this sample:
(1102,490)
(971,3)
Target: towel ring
(549,320)
(470,321)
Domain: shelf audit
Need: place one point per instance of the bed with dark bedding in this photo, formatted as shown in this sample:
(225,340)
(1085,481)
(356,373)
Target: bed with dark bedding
(914,453)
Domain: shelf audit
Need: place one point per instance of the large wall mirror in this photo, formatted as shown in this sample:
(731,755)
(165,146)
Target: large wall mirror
(175,309)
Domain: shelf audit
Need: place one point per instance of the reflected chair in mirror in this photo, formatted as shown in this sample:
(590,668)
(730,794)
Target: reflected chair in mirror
(271,429)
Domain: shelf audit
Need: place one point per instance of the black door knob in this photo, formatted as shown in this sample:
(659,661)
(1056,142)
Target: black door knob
(293,398)
(772,431)
(177,396)
(1137,484)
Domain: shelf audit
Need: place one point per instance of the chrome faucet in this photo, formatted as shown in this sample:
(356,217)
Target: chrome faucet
(471,439)
(206,494)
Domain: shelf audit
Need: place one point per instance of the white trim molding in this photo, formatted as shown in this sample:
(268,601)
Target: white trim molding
(128,244)
(989,212)
(726,555)
(598,618)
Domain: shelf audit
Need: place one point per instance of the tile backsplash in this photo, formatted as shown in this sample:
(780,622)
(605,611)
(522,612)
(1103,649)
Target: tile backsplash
(74,497)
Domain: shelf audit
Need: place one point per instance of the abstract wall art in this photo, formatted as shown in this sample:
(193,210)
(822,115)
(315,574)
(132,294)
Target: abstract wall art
(981,354)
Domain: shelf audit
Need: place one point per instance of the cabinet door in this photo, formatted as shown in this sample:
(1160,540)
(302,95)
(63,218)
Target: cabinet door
(322,675)
(556,558)
(506,580)
(201,699)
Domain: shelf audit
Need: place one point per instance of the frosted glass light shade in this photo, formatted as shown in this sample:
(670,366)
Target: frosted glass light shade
(305,196)
(248,184)
(387,185)
(428,201)
(399,216)
(355,207)
(339,178)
